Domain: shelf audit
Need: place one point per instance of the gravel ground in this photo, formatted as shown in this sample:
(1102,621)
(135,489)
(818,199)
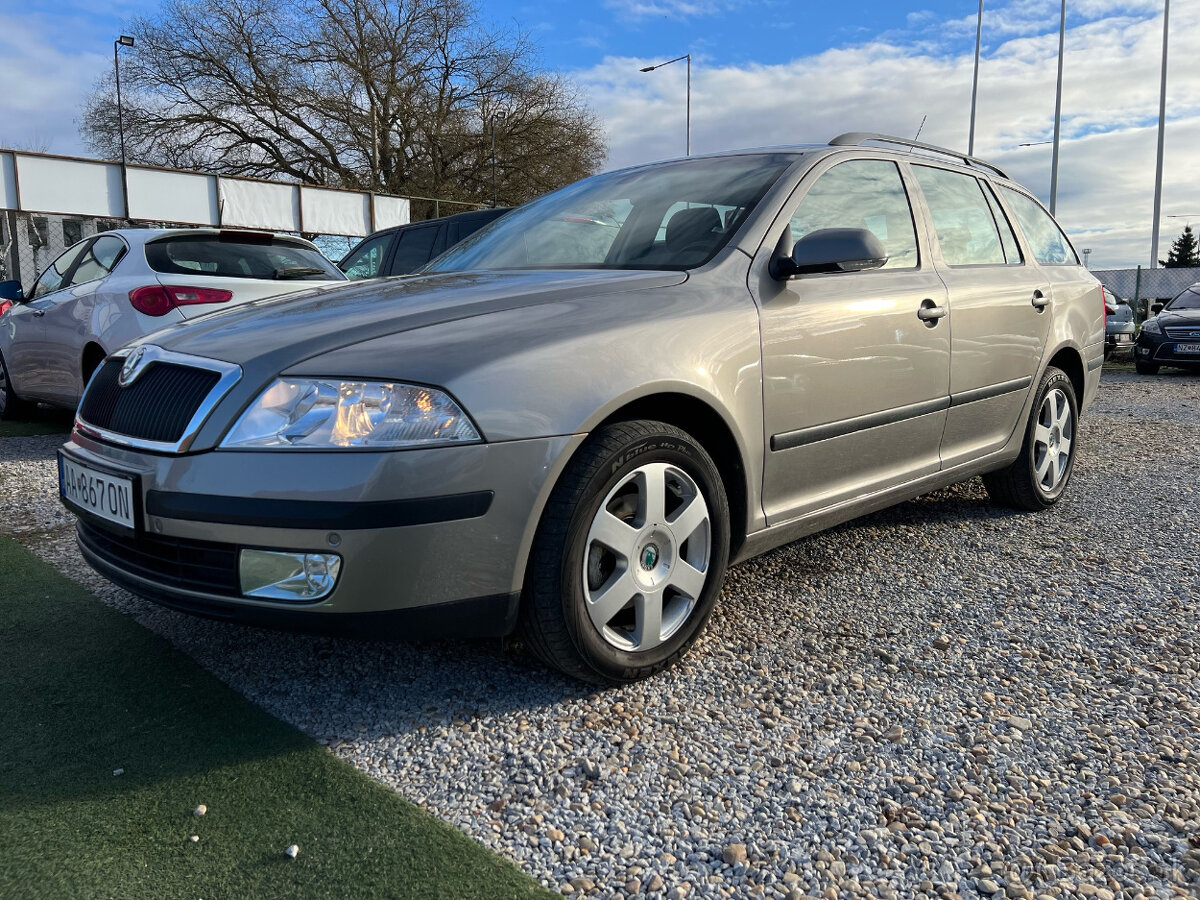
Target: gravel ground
(942,699)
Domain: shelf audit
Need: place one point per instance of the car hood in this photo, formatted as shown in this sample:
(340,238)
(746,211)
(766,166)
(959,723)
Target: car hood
(1179,317)
(277,332)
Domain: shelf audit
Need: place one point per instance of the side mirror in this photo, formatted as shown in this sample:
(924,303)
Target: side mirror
(1156,308)
(11,290)
(832,250)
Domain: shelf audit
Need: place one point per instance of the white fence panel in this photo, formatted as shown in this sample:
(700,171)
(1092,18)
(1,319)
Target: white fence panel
(159,195)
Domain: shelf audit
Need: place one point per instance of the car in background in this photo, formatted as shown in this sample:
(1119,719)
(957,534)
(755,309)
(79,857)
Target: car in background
(1119,328)
(405,248)
(1172,336)
(574,420)
(117,286)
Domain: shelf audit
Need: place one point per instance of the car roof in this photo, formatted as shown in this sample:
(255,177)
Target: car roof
(137,236)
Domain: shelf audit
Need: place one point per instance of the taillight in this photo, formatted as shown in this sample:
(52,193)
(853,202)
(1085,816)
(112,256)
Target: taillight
(160,299)
(5,306)
(1104,303)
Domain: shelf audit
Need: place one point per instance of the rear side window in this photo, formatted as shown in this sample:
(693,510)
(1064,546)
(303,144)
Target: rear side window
(99,259)
(414,248)
(239,256)
(966,229)
(862,193)
(1050,246)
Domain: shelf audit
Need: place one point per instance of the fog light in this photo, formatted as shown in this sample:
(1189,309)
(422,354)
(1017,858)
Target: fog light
(279,575)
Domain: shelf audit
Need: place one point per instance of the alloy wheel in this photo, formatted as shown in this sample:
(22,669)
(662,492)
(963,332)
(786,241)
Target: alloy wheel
(1053,437)
(647,557)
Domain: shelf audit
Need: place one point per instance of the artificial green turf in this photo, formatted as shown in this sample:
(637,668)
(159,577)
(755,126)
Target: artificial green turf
(85,691)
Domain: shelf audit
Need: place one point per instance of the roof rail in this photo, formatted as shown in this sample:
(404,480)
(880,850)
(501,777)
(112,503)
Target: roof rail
(857,138)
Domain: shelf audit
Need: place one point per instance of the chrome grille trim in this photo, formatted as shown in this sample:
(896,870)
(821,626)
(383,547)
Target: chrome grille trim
(229,375)
(1183,332)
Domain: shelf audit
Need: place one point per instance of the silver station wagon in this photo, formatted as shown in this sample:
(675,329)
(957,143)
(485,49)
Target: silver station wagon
(571,423)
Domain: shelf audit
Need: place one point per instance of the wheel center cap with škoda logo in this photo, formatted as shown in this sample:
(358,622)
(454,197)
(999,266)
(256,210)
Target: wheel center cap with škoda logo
(649,556)
(132,368)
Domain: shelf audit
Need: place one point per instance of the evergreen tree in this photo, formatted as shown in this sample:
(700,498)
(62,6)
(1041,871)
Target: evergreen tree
(1184,254)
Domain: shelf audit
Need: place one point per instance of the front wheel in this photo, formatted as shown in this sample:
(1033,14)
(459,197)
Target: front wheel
(1037,478)
(629,556)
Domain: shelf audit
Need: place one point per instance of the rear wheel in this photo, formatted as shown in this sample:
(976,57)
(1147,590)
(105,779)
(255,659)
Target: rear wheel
(629,557)
(1145,368)
(11,406)
(1037,478)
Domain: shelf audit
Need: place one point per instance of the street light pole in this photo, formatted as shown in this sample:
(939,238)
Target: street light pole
(123,41)
(688,57)
(1062,34)
(975,79)
(1162,124)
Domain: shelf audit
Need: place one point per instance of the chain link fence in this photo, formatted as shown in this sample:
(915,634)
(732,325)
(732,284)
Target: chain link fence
(30,241)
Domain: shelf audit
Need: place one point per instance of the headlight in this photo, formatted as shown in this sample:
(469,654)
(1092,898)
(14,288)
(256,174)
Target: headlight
(308,413)
(1151,326)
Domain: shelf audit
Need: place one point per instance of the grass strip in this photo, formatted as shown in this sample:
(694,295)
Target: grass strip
(85,691)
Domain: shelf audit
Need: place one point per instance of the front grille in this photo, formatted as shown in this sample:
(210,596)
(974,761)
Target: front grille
(157,407)
(171,562)
(1183,332)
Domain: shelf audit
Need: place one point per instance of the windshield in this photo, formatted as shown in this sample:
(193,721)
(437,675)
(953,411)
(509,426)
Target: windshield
(1189,299)
(674,215)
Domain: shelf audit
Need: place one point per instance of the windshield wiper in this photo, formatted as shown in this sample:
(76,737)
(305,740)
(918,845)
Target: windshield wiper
(297,272)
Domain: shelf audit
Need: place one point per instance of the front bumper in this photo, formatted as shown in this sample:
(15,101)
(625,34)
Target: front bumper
(1161,349)
(431,541)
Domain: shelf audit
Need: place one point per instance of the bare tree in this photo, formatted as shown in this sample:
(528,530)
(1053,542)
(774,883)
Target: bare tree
(396,96)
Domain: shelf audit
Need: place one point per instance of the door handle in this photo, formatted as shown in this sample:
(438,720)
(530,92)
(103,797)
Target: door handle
(38,313)
(1040,301)
(930,312)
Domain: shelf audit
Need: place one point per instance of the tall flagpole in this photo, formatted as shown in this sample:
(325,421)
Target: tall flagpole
(1162,125)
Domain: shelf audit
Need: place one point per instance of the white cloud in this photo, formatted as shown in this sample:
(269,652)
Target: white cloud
(1110,110)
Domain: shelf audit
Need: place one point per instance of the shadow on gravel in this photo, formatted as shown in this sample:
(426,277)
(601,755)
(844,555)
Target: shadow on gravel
(44,420)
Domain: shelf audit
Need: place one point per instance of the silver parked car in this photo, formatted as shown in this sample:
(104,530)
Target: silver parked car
(117,286)
(575,420)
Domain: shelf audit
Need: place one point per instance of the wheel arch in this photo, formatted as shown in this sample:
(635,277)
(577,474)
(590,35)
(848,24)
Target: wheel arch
(712,431)
(91,358)
(1070,361)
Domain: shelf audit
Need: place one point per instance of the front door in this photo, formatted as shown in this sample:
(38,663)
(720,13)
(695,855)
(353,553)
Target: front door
(855,380)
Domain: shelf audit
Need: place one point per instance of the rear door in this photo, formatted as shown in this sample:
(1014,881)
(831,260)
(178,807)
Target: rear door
(414,248)
(999,311)
(854,380)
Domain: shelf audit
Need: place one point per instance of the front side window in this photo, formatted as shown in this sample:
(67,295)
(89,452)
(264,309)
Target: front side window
(52,279)
(1050,246)
(234,255)
(966,229)
(673,216)
(862,193)
(367,258)
(98,260)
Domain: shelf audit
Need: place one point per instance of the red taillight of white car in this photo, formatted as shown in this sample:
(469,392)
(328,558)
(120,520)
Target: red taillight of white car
(1108,308)
(160,299)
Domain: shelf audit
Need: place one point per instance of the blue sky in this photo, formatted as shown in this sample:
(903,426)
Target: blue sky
(769,72)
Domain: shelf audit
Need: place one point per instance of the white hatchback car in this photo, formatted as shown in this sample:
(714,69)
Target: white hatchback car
(117,286)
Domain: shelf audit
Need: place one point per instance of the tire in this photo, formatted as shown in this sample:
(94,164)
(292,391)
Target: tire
(1145,368)
(1038,477)
(1108,349)
(11,406)
(586,559)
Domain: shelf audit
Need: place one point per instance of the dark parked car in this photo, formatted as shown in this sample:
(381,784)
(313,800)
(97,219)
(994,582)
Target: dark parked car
(405,248)
(1172,337)
(1119,329)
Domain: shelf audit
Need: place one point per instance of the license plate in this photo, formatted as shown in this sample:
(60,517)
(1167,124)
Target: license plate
(1123,338)
(103,494)
(1187,348)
